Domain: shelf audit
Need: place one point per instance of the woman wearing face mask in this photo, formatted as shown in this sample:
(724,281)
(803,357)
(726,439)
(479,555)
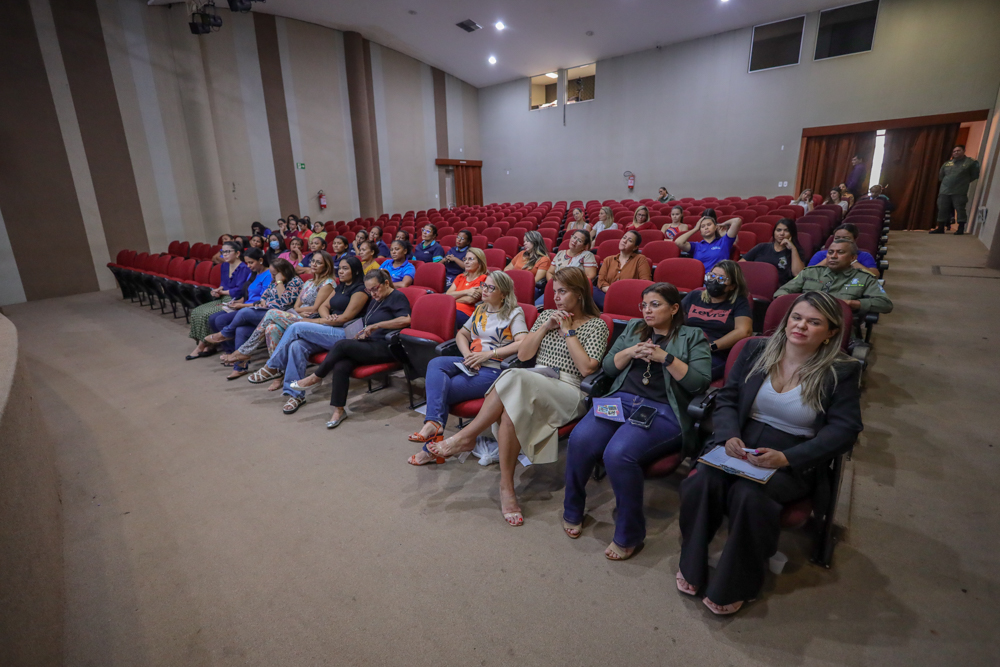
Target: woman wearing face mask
(398,267)
(717,240)
(454,260)
(275,246)
(658,363)
(314,291)
(280,293)
(627,264)
(605,220)
(232,278)
(783,251)
(577,222)
(366,255)
(303,339)
(467,288)
(795,400)
(722,311)
(526,407)
(489,336)
(676,226)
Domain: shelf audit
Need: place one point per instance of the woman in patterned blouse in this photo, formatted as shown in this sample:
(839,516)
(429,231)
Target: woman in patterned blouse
(527,406)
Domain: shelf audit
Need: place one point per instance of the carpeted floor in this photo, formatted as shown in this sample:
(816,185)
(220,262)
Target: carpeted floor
(203,527)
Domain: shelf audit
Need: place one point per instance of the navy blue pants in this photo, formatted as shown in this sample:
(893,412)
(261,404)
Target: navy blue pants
(445,385)
(719,364)
(220,321)
(626,449)
(241,327)
(460,320)
(599,295)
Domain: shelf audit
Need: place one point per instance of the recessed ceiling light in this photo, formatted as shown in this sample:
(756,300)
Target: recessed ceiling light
(552,75)
(499,25)
(492,60)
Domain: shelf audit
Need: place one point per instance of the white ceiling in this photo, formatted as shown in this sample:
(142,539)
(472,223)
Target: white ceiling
(541,35)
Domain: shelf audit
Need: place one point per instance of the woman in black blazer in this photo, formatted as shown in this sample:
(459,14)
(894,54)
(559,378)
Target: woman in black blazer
(794,398)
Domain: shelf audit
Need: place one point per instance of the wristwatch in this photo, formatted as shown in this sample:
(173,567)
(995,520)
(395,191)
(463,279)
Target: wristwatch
(715,348)
(668,360)
(570,333)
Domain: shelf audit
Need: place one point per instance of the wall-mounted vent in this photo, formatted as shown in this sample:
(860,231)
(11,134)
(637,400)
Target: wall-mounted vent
(469,25)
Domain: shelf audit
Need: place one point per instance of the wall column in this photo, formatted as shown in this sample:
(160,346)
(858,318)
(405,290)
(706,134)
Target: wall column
(357,56)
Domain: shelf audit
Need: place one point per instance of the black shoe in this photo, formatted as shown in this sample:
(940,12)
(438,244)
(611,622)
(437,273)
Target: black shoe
(939,230)
(960,230)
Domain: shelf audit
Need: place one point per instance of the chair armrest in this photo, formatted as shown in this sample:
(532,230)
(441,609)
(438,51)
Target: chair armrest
(514,362)
(871,319)
(596,384)
(701,404)
(449,348)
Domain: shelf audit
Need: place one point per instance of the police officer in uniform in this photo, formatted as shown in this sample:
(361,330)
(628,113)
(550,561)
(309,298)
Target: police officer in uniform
(953,196)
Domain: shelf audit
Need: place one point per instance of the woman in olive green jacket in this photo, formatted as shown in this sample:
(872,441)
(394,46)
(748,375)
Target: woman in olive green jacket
(658,363)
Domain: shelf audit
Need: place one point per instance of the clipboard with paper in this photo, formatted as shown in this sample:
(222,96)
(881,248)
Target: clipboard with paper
(717,458)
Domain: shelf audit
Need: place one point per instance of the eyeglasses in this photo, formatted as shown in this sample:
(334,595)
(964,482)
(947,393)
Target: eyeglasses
(374,290)
(489,289)
(716,278)
(652,305)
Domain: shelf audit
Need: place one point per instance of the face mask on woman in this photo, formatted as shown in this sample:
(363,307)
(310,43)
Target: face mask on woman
(275,245)
(715,289)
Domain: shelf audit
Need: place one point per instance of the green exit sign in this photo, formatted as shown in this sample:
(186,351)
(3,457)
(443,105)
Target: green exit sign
(300,165)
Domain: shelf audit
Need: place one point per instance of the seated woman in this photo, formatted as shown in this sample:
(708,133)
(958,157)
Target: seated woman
(275,246)
(577,254)
(627,264)
(794,400)
(657,362)
(258,229)
(217,258)
(378,245)
(399,268)
(577,221)
(359,237)
(340,249)
(721,311)
(526,407)
(605,220)
(281,290)
(428,250)
(294,253)
(302,226)
(676,226)
(454,259)
(533,258)
(805,200)
(366,255)
(640,220)
(257,242)
(846,195)
(843,233)
(388,310)
(303,339)
(234,273)
(319,230)
(467,287)
(403,235)
(782,251)
(836,198)
(717,240)
(315,244)
(281,226)
(314,292)
(665,196)
(492,334)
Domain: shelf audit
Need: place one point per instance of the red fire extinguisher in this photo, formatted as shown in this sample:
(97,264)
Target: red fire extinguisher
(322,200)
(631,179)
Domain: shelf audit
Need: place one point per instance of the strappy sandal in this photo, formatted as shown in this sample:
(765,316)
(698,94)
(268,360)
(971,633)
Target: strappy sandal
(513,518)
(568,527)
(265,374)
(434,459)
(619,552)
(724,609)
(416,437)
(292,404)
(239,370)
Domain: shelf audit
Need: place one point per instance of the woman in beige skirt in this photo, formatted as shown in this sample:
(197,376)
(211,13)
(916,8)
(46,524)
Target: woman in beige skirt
(526,406)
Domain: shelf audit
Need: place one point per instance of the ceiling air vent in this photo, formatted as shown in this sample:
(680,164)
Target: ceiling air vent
(469,25)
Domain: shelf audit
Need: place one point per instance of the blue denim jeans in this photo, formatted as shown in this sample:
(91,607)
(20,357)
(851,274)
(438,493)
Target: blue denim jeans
(445,385)
(626,449)
(299,342)
(241,327)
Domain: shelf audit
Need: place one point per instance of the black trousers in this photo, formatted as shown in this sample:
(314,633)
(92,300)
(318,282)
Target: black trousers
(754,511)
(344,357)
(948,205)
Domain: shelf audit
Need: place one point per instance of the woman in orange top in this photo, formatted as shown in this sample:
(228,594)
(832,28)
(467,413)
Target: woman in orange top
(467,287)
(533,258)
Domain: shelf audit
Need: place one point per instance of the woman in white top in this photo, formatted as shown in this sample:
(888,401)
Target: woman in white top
(836,198)
(577,221)
(605,220)
(805,200)
(578,254)
(494,332)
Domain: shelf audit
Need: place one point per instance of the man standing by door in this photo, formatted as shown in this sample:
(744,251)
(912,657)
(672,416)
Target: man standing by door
(953,196)
(856,177)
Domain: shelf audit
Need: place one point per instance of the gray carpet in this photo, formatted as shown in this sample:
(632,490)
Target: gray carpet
(203,527)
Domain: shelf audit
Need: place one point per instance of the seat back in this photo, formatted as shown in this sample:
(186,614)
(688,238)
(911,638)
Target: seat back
(761,230)
(448,241)
(761,278)
(508,244)
(492,234)
(202,272)
(607,249)
(430,275)
(174,267)
(215,275)
(524,284)
(174,248)
(649,236)
(745,241)
(496,258)
(684,273)
(433,314)
(414,294)
(530,313)
(185,271)
(517,233)
(623,297)
(657,251)
(780,306)
(608,235)
(480,241)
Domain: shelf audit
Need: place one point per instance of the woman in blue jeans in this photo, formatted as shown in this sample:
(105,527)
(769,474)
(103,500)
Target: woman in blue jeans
(492,333)
(304,339)
(658,363)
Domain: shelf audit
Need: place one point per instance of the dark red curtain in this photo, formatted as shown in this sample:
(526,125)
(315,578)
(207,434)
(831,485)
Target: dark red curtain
(468,185)
(827,160)
(913,157)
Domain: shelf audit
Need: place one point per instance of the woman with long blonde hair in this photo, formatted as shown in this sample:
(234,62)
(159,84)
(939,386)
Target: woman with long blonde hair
(791,403)
(467,287)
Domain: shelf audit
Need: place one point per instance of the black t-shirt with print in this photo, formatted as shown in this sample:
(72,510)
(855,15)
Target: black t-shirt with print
(715,319)
(764,252)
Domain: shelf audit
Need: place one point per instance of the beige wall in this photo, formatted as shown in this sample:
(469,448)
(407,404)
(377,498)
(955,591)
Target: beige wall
(689,116)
